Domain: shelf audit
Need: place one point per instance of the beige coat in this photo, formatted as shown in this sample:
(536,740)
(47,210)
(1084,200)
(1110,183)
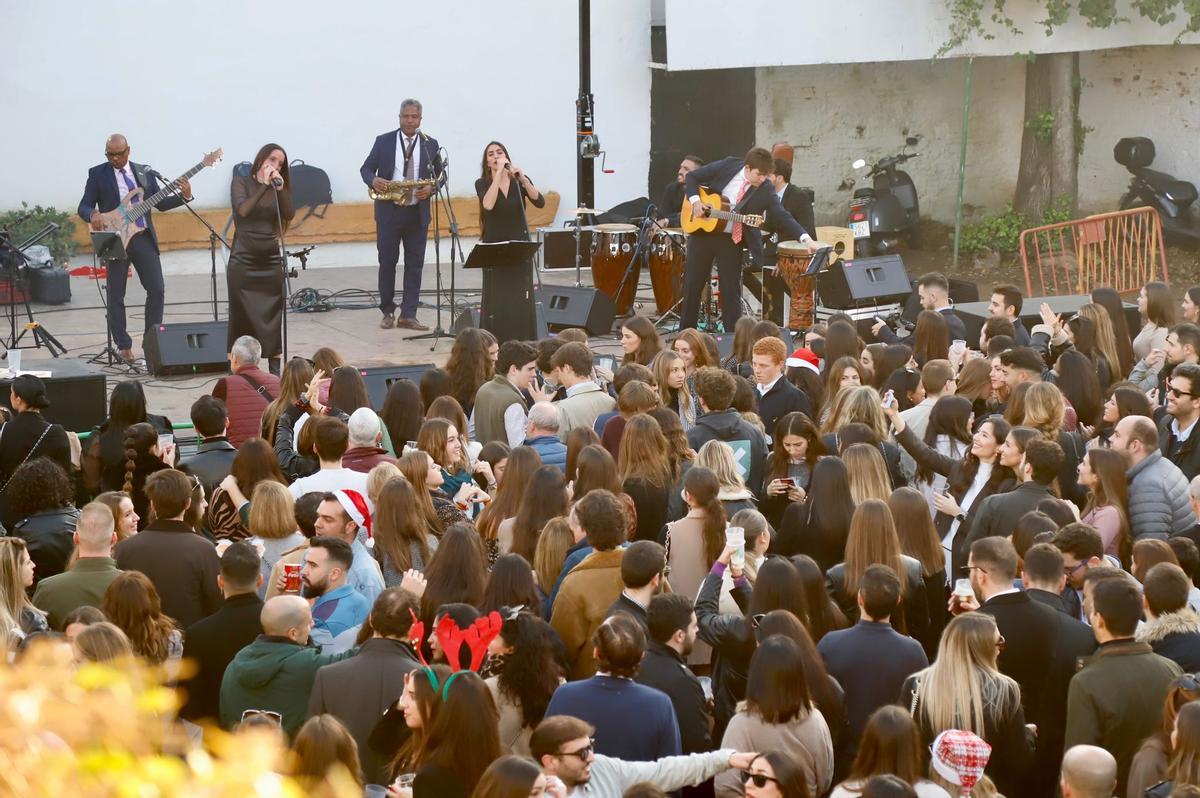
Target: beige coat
(582,407)
(688,567)
(805,740)
(514,735)
(582,605)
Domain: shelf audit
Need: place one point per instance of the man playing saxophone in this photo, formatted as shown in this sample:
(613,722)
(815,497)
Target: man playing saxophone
(405,154)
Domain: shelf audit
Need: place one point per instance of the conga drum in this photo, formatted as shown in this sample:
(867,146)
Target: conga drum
(792,262)
(667,251)
(613,248)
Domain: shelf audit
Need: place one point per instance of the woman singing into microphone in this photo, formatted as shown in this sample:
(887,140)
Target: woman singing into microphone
(255,271)
(507,308)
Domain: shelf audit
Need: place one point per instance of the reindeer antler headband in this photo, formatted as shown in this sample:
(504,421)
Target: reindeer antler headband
(478,636)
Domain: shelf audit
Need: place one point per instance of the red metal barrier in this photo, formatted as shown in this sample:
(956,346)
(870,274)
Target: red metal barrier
(1122,250)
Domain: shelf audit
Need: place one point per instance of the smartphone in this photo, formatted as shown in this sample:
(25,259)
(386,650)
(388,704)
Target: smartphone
(889,398)
(165,439)
(789,481)
(607,362)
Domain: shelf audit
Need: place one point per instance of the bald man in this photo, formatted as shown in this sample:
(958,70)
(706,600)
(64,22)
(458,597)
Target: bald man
(275,673)
(84,584)
(107,186)
(1088,771)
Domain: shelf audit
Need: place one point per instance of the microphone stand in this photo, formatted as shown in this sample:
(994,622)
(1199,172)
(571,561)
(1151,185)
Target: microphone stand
(287,275)
(213,235)
(438,201)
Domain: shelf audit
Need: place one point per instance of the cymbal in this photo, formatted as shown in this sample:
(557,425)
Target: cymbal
(581,211)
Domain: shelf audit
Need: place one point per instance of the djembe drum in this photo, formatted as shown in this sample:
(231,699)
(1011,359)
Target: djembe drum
(792,263)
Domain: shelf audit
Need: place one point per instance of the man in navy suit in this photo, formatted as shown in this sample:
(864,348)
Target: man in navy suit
(404,154)
(107,185)
(743,182)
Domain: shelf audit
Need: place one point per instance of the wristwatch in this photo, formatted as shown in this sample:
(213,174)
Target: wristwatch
(960,517)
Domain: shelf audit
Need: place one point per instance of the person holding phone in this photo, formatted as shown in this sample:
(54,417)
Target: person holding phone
(790,465)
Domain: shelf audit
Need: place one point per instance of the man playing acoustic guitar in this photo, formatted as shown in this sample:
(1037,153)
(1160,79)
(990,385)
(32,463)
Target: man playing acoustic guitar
(746,195)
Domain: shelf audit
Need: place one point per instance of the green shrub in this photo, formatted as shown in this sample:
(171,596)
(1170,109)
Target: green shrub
(62,245)
(1001,232)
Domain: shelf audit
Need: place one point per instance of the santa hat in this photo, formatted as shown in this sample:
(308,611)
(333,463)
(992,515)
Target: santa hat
(959,757)
(358,508)
(805,359)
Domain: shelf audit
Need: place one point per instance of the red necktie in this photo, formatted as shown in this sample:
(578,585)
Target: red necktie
(737,226)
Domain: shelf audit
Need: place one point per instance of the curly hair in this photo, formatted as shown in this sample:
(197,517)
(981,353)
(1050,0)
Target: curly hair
(132,603)
(531,673)
(39,484)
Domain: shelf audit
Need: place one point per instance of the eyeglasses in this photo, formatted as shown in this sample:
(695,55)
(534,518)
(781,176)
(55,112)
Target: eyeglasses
(108,154)
(1071,570)
(760,779)
(584,753)
(967,569)
(1178,393)
(271,715)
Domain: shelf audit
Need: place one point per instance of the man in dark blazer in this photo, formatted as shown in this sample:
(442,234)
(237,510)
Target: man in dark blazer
(744,183)
(672,624)
(1000,512)
(107,184)
(213,642)
(1044,580)
(357,691)
(933,290)
(672,196)
(797,202)
(403,154)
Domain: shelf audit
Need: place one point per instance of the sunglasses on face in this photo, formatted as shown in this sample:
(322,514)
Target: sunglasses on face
(1178,393)
(585,753)
(758,779)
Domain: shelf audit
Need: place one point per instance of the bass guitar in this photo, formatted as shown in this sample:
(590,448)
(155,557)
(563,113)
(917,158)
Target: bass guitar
(716,214)
(123,218)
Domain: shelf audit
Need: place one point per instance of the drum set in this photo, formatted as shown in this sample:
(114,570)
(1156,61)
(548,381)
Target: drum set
(616,253)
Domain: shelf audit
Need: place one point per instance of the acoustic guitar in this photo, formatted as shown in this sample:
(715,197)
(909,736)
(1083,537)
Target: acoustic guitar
(123,218)
(717,214)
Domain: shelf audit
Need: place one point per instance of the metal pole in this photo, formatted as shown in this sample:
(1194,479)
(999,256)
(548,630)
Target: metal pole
(586,178)
(962,158)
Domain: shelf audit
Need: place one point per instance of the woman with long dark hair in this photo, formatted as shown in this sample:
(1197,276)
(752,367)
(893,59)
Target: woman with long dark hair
(1124,399)
(402,539)
(132,603)
(790,465)
(526,673)
(948,432)
(842,341)
(905,384)
(545,497)
(647,474)
(1102,473)
(462,741)
(1110,300)
(815,527)
(324,748)
(104,452)
(262,210)
(143,457)
(891,743)
(970,479)
(779,714)
(774,774)
(402,413)
(510,584)
(1078,382)
(919,540)
(1158,312)
(639,340)
(255,462)
(931,338)
(456,574)
(470,365)
(890,358)
(522,462)
(827,695)
(824,615)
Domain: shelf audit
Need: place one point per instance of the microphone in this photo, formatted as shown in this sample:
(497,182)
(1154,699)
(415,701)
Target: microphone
(277,181)
(150,170)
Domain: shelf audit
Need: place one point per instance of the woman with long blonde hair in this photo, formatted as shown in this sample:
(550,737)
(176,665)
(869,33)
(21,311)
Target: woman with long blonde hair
(873,541)
(273,527)
(868,473)
(843,374)
(18,616)
(670,374)
(689,345)
(717,456)
(963,689)
(862,405)
(1044,409)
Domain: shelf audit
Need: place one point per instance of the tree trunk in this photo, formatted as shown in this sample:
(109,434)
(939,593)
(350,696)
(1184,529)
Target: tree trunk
(1049,171)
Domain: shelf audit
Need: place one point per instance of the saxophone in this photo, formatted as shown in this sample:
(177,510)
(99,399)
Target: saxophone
(400,191)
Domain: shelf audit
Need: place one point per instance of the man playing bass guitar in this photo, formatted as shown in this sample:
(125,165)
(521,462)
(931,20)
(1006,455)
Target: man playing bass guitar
(743,185)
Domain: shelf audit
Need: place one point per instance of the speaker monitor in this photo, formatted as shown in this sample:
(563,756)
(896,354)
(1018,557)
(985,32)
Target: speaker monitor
(380,378)
(864,281)
(576,306)
(187,348)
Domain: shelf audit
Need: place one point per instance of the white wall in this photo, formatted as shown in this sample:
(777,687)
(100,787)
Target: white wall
(185,77)
(834,114)
(872,30)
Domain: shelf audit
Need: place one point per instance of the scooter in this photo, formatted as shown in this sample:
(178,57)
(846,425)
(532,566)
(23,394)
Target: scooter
(1172,198)
(888,211)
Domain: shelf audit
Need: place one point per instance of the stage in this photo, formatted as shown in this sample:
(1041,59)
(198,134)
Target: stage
(79,325)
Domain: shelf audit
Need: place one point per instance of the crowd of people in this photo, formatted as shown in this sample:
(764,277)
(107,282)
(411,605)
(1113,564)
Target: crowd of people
(920,566)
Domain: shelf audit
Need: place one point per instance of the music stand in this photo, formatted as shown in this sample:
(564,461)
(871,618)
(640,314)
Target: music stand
(108,247)
(506,309)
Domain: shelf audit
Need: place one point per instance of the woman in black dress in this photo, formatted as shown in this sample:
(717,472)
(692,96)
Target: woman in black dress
(255,271)
(502,209)
(503,190)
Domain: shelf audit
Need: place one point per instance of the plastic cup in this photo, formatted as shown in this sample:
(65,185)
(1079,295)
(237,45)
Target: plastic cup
(14,361)
(291,572)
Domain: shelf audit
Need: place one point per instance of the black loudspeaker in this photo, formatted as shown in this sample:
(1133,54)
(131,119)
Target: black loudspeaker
(78,394)
(187,347)
(864,281)
(576,306)
(558,249)
(468,318)
(380,378)
(50,286)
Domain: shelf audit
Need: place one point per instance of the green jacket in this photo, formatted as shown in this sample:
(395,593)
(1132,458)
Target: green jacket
(82,586)
(1116,700)
(273,673)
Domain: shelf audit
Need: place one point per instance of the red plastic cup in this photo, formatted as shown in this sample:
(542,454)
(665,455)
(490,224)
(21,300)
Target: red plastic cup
(291,573)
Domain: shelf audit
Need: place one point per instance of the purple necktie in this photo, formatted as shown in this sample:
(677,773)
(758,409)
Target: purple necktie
(130,185)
